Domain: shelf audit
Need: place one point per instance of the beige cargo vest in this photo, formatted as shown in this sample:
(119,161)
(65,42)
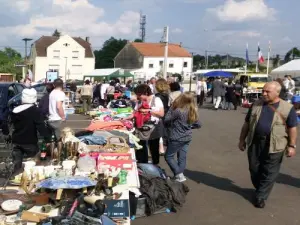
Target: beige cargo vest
(279,136)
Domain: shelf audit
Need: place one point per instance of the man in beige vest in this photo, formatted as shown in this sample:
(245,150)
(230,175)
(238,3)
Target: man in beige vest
(269,131)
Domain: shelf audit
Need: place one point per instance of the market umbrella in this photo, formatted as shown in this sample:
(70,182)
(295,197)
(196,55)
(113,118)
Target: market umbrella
(76,182)
(218,74)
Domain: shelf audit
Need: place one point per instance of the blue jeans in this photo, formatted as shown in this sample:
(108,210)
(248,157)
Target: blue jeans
(180,149)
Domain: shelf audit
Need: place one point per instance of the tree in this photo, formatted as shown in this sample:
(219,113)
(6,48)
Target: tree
(56,33)
(292,54)
(8,58)
(138,40)
(105,56)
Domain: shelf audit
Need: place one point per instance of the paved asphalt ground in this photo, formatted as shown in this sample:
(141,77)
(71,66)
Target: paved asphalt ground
(219,181)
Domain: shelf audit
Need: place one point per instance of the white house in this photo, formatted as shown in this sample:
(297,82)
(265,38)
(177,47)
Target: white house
(146,60)
(71,57)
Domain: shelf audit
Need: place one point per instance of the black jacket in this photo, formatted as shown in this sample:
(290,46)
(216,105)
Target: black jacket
(44,105)
(27,121)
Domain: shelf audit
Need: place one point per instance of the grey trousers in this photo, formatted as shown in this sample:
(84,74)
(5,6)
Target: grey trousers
(55,126)
(264,167)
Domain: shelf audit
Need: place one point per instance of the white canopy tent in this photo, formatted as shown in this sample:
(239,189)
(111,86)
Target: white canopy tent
(291,68)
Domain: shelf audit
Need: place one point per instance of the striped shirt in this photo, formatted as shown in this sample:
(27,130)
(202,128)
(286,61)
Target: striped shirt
(177,125)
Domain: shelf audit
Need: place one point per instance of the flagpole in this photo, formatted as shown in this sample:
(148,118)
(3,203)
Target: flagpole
(246,66)
(268,62)
(256,70)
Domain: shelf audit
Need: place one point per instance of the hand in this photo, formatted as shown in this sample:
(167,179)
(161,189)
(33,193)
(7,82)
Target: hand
(290,152)
(242,145)
(145,111)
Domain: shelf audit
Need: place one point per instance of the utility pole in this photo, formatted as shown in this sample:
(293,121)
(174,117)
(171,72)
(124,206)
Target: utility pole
(191,73)
(26,40)
(24,71)
(166,41)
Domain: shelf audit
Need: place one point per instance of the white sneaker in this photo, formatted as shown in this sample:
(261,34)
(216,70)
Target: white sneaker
(180,177)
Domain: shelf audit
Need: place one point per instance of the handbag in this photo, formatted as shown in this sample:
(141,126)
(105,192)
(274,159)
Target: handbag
(145,131)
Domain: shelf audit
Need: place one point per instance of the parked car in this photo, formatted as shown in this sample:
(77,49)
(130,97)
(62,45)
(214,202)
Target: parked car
(8,91)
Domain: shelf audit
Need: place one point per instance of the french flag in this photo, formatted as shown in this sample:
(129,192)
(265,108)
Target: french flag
(260,55)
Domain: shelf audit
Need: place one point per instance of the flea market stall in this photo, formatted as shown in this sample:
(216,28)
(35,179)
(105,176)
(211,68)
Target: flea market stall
(91,177)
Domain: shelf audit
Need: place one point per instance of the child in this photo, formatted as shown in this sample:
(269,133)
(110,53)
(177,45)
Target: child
(179,120)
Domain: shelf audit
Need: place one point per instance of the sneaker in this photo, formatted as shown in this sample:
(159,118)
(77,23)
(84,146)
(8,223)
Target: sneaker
(180,177)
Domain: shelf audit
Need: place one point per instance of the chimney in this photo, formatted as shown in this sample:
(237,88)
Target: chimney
(87,39)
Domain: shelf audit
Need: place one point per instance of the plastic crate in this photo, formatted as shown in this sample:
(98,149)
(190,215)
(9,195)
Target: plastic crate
(296,99)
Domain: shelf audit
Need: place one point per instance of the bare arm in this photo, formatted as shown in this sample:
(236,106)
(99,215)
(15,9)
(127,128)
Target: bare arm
(160,113)
(292,132)
(61,113)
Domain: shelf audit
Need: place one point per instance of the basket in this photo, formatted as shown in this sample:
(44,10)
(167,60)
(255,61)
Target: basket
(118,148)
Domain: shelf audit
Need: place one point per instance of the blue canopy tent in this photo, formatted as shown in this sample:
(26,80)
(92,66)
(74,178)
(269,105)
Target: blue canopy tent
(218,74)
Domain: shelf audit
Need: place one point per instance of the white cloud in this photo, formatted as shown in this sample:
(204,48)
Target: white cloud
(159,30)
(176,30)
(249,34)
(287,39)
(245,10)
(74,17)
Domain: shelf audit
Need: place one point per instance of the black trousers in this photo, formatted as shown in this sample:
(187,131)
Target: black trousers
(264,167)
(142,154)
(23,151)
(200,98)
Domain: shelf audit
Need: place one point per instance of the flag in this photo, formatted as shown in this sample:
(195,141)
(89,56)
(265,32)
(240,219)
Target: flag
(247,55)
(260,55)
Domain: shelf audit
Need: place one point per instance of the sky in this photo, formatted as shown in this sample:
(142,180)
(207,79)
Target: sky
(219,26)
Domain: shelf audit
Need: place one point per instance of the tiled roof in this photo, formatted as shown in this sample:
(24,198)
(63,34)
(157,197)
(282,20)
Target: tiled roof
(44,42)
(158,49)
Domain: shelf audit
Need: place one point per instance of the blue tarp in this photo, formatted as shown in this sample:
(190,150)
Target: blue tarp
(218,74)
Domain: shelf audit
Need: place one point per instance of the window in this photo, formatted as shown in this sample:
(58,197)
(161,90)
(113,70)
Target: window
(54,68)
(76,70)
(56,54)
(19,87)
(151,65)
(171,65)
(185,64)
(161,63)
(11,92)
(75,54)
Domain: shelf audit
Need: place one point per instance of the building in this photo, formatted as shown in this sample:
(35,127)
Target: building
(146,60)
(71,57)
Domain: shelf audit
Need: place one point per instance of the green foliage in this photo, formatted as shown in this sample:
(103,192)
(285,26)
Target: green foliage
(56,33)
(138,40)
(105,56)
(292,54)
(8,58)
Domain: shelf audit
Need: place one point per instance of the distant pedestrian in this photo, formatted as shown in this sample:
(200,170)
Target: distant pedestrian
(218,90)
(87,95)
(201,90)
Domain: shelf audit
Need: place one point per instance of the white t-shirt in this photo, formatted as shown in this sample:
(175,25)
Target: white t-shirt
(158,104)
(55,96)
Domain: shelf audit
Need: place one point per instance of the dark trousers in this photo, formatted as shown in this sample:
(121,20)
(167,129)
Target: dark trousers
(264,167)
(142,154)
(23,151)
(200,98)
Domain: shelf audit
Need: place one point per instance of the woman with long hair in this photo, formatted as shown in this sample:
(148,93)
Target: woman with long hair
(179,120)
